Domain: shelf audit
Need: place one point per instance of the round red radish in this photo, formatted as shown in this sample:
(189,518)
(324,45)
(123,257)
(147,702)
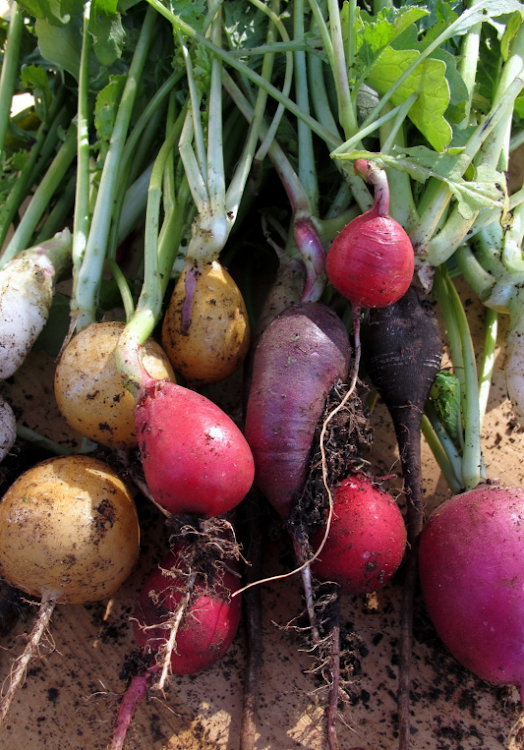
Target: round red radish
(366,539)
(208,626)
(371,261)
(195,458)
(471,562)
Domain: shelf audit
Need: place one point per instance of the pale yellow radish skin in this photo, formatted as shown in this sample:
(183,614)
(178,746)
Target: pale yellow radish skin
(89,390)
(69,531)
(217,338)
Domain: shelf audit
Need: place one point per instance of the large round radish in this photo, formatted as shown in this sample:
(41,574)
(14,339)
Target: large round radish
(366,539)
(209,621)
(371,261)
(471,565)
(89,390)
(68,531)
(195,458)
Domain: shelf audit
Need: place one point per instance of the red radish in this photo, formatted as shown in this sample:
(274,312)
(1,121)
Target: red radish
(472,576)
(371,262)
(209,624)
(299,357)
(185,622)
(366,540)
(195,458)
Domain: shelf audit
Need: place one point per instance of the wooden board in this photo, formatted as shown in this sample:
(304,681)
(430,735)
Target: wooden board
(72,691)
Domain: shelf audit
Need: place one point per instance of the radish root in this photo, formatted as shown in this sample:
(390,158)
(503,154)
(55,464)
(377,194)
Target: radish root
(19,670)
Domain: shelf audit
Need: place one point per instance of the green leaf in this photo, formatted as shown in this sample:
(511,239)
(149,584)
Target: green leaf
(60,44)
(379,32)
(105,25)
(428,80)
(55,12)
(191,11)
(34,79)
(445,395)
(106,107)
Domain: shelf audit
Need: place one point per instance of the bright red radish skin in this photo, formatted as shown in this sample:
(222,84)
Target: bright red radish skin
(366,539)
(299,357)
(371,261)
(472,576)
(209,624)
(195,458)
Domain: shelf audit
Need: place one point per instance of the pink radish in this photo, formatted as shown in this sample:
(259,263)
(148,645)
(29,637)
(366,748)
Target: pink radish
(195,458)
(472,576)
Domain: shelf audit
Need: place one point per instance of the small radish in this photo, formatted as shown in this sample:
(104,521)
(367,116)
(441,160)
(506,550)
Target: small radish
(7,428)
(89,390)
(185,621)
(27,284)
(205,331)
(371,261)
(69,534)
(366,539)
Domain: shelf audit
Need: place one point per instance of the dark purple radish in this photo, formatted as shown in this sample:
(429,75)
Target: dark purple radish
(299,357)
(402,353)
(185,621)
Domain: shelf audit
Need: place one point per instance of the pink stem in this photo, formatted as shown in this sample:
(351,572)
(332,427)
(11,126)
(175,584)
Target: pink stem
(378,178)
(192,274)
(134,694)
(313,256)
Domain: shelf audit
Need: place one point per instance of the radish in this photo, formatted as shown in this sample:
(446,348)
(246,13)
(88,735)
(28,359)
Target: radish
(403,352)
(366,539)
(300,356)
(7,428)
(70,534)
(371,262)
(472,578)
(27,284)
(205,330)
(185,620)
(89,391)
(195,458)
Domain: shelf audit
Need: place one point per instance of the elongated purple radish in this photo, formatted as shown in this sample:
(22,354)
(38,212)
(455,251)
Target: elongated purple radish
(299,357)
(402,352)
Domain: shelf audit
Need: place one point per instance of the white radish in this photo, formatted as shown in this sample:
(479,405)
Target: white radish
(7,428)
(26,293)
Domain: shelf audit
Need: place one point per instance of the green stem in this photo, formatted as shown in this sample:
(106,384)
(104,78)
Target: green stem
(443,449)
(346,110)
(81,215)
(83,306)
(10,68)
(52,180)
(60,213)
(464,364)
(488,360)
(41,151)
(306,157)
(331,139)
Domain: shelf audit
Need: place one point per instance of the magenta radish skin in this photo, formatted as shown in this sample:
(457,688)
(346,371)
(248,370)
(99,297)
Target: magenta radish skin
(195,458)
(299,357)
(366,539)
(471,565)
(208,627)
